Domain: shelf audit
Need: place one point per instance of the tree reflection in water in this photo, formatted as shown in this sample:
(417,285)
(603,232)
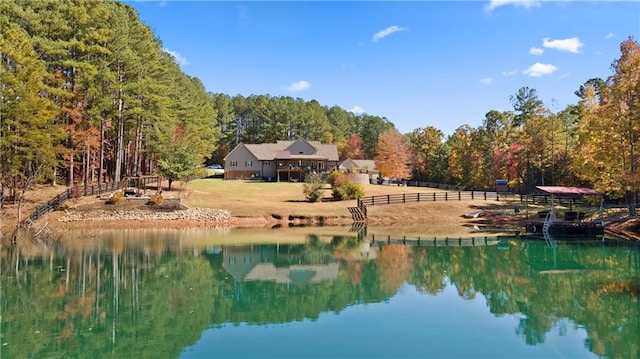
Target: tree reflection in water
(149,298)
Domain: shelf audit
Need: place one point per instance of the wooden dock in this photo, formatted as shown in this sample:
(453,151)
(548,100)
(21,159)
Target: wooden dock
(437,242)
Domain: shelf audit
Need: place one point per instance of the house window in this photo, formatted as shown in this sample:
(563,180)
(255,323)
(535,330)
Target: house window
(248,163)
(234,163)
(267,163)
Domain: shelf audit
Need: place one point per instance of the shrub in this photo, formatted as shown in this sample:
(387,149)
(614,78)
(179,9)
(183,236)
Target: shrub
(155,200)
(117,198)
(313,187)
(347,190)
(343,186)
(333,176)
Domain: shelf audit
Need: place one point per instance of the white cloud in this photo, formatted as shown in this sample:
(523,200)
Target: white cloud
(572,44)
(536,51)
(357,110)
(386,32)
(298,86)
(538,69)
(493,4)
(609,35)
(486,81)
(509,73)
(180,60)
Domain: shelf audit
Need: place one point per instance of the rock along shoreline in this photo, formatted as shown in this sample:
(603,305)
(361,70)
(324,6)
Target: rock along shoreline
(190,214)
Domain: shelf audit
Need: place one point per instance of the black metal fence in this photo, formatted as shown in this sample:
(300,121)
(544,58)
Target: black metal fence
(359,213)
(431,197)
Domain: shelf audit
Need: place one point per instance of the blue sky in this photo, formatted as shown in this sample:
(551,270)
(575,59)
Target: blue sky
(418,63)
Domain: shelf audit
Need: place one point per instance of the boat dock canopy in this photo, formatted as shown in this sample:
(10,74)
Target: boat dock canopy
(568,191)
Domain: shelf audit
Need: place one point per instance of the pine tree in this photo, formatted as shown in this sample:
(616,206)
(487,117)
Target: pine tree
(28,133)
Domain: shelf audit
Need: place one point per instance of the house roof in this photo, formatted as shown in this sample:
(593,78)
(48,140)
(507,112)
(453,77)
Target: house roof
(568,191)
(350,163)
(271,151)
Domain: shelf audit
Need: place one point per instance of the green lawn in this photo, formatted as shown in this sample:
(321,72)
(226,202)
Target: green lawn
(253,198)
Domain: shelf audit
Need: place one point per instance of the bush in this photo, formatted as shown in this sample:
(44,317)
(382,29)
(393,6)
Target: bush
(347,190)
(333,177)
(343,186)
(155,200)
(117,198)
(313,187)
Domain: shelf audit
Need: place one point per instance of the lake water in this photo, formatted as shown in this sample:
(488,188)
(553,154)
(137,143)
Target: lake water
(326,292)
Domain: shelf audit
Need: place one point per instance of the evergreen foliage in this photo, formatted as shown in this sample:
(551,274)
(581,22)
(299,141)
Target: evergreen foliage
(89,94)
(313,188)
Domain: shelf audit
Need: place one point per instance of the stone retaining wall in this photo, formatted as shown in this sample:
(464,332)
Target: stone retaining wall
(194,214)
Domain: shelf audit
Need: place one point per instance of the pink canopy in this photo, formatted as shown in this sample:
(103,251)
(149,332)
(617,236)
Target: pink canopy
(568,191)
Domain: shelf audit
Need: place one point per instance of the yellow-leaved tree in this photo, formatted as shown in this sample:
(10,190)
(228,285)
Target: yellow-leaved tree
(608,154)
(394,154)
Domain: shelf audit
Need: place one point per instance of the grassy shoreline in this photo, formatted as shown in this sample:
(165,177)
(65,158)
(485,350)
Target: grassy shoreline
(260,204)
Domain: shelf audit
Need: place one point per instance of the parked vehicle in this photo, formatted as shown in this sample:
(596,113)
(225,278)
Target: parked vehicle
(215,170)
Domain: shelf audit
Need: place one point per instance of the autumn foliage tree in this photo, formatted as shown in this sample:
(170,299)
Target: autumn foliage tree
(429,149)
(610,131)
(353,148)
(394,155)
(27,130)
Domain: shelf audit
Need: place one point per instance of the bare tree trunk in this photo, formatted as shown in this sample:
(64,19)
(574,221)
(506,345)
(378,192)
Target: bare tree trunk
(127,159)
(85,173)
(137,148)
(120,128)
(92,173)
(119,141)
(71,165)
(30,175)
(101,160)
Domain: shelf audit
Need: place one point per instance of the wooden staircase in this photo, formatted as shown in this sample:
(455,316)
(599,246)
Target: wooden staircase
(359,213)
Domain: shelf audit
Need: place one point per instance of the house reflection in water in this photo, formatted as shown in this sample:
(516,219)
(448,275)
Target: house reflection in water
(280,264)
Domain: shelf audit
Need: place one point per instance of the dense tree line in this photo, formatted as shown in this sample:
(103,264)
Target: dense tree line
(89,95)
(593,142)
(267,119)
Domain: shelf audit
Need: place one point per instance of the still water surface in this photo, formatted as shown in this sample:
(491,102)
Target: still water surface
(316,293)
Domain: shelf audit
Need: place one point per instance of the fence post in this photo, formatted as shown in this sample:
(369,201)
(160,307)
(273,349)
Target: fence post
(388,199)
(418,196)
(404,198)
(485,195)
(434,196)
(459,196)
(472,194)
(446,196)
